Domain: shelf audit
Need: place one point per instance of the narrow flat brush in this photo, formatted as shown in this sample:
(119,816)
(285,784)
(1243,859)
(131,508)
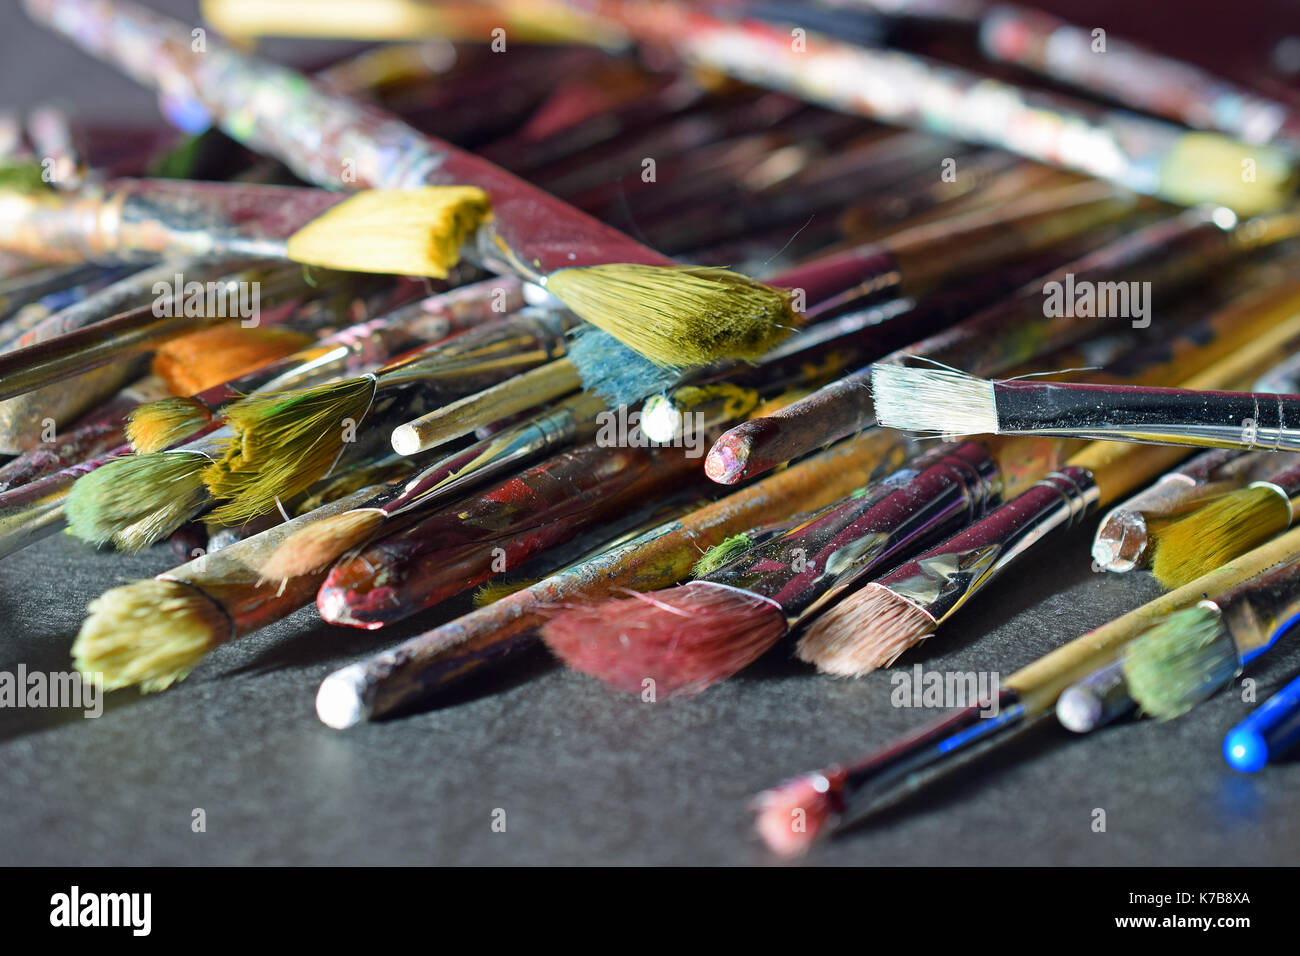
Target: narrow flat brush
(951,403)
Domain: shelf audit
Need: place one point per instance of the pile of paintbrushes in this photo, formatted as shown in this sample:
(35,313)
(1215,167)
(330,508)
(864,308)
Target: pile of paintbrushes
(347,339)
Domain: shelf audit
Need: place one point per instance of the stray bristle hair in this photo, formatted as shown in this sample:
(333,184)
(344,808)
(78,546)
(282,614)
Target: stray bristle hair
(1212,536)
(721,553)
(867,630)
(137,500)
(1179,662)
(683,639)
(415,232)
(196,362)
(154,426)
(790,817)
(933,400)
(491,593)
(319,544)
(284,442)
(151,633)
(616,374)
(678,315)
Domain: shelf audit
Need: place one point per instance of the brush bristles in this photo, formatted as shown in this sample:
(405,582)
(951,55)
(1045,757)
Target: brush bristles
(491,593)
(319,544)
(196,362)
(933,400)
(284,442)
(673,642)
(1212,536)
(1179,662)
(790,817)
(867,630)
(1207,168)
(137,500)
(678,315)
(415,232)
(617,375)
(157,425)
(151,633)
(721,553)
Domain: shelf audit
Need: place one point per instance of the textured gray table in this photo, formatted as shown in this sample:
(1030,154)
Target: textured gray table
(584,776)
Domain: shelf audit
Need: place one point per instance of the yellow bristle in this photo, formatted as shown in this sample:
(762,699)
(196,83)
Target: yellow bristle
(154,426)
(415,232)
(678,315)
(1212,536)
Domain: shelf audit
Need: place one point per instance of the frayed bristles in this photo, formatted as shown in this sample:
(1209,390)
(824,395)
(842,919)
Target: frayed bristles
(151,633)
(1179,662)
(154,426)
(491,593)
(319,544)
(196,362)
(790,817)
(137,500)
(618,376)
(1212,536)
(678,315)
(721,554)
(415,232)
(865,631)
(284,442)
(683,639)
(933,400)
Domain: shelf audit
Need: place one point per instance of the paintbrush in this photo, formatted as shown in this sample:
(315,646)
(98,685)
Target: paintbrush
(402,231)
(948,402)
(462,545)
(344,353)
(1142,154)
(687,638)
(283,440)
(874,626)
(1197,651)
(429,663)
(152,633)
(792,816)
(1171,255)
(1268,733)
(675,315)
(1217,532)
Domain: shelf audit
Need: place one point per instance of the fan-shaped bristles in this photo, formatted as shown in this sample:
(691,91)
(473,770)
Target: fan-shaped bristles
(137,500)
(200,360)
(284,442)
(933,400)
(415,232)
(867,630)
(721,553)
(319,544)
(678,315)
(496,590)
(1212,536)
(684,639)
(154,426)
(151,633)
(1179,662)
(790,817)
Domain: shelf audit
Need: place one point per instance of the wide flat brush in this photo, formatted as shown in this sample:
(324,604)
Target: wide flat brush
(689,637)
(792,816)
(406,231)
(675,315)
(427,664)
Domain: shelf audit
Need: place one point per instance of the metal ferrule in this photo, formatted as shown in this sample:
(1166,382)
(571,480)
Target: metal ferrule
(940,582)
(1255,612)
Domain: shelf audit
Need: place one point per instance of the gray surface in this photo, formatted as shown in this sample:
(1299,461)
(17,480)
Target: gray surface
(584,776)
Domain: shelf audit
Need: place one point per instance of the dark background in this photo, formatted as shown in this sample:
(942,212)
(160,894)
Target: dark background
(584,775)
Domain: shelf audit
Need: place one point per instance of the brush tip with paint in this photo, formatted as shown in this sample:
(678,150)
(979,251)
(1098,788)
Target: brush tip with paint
(1180,662)
(1222,530)
(683,639)
(137,500)
(160,424)
(867,630)
(319,544)
(789,818)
